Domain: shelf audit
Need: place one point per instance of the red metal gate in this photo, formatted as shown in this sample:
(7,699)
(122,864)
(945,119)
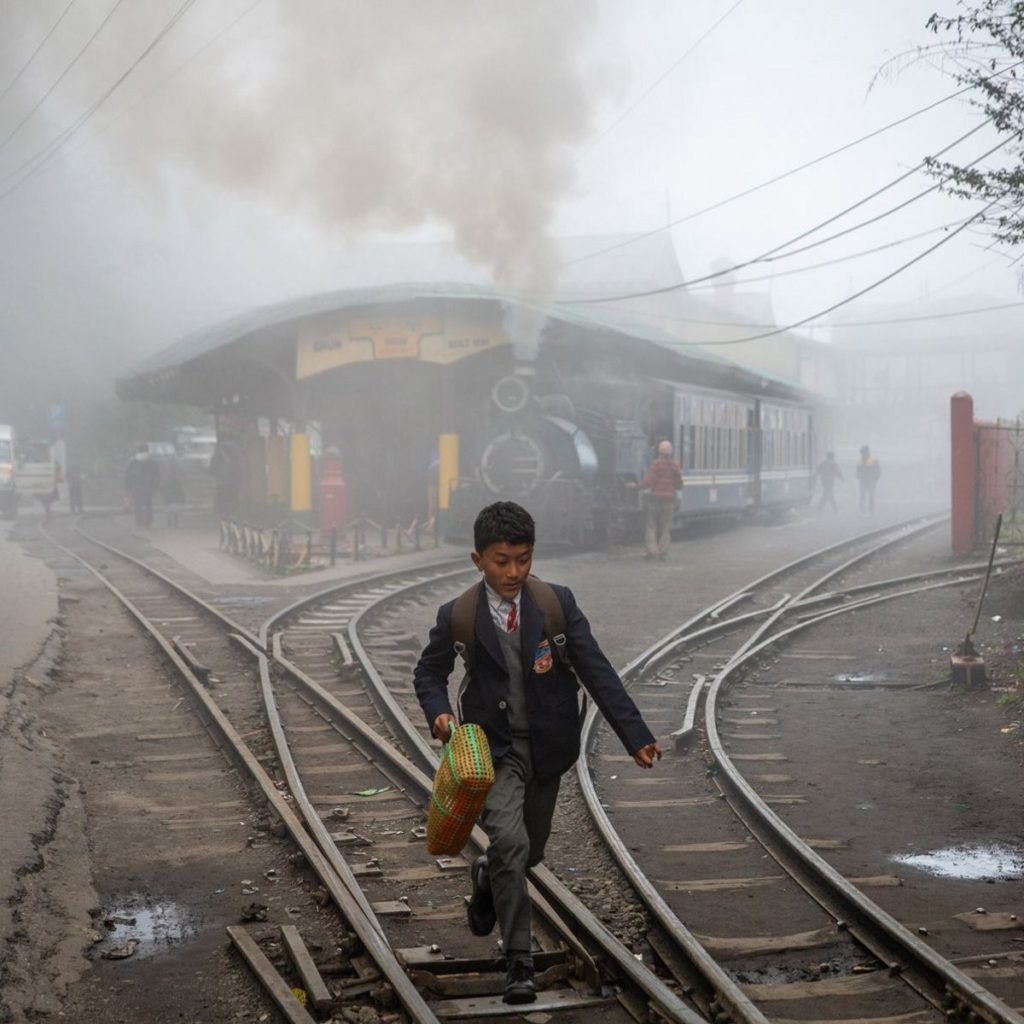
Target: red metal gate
(1000,457)
(987,477)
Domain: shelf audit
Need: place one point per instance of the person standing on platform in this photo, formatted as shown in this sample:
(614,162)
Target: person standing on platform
(868,471)
(827,473)
(227,480)
(75,500)
(173,493)
(141,480)
(663,480)
(524,643)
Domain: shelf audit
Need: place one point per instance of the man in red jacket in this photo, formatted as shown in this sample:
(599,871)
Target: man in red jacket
(663,480)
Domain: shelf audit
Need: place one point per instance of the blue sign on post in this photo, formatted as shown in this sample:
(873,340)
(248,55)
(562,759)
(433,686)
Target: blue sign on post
(56,417)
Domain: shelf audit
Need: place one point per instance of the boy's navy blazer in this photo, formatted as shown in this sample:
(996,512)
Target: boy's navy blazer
(551,697)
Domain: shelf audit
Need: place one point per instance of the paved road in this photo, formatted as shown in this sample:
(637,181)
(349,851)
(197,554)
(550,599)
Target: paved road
(28,603)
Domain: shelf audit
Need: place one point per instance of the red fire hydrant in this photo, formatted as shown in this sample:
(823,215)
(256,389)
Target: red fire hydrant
(333,505)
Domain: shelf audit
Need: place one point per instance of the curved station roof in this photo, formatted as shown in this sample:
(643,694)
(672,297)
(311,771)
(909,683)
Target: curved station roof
(268,352)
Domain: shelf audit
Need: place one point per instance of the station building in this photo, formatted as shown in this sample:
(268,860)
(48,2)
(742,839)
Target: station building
(399,378)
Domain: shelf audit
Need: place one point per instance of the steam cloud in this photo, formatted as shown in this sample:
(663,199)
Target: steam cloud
(391,114)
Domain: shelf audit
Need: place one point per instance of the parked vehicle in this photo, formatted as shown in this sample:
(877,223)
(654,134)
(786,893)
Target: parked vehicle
(29,468)
(38,469)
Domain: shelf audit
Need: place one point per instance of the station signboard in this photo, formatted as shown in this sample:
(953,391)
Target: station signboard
(427,337)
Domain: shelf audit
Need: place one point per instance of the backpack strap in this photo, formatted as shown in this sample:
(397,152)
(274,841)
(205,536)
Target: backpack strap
(545,598)
(464,623)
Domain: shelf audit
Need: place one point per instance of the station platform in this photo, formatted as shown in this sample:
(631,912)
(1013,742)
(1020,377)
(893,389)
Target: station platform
(195,545)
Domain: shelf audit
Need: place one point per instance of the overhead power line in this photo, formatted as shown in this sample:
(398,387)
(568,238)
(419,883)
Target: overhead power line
(654,85)
(24,67)
(693,215)
(43,158)
(35,163)
(850,298)
(889,322)
(60,78)
(775,274)
(774,253)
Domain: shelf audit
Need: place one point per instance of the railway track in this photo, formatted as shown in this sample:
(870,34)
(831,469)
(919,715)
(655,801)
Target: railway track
(347,704)
(795,904)
(353,805)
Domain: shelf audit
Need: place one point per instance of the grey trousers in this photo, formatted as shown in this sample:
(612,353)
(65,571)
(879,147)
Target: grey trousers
(517,819)
(658,534)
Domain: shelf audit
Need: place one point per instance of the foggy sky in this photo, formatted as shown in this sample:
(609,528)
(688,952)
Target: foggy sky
(239,178)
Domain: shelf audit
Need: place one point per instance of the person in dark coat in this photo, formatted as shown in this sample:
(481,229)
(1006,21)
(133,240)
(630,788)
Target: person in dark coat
(526,700)
(868,471)
(828,473)
(75,499)
(141,480)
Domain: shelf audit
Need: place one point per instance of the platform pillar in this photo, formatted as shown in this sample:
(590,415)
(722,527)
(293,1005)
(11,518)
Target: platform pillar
(447,474)
(963,472)
(301,490)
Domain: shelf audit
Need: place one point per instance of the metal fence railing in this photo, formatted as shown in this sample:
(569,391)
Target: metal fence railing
(292,546)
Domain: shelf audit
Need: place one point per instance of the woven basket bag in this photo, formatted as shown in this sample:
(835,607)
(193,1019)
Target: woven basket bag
(463,777)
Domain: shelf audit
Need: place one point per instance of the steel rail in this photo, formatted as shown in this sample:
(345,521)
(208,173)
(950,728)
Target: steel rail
(320,596)
(225,620)
(727,992)
(943,975)
(894,581)
(407,732)
(746,590)
(365,927)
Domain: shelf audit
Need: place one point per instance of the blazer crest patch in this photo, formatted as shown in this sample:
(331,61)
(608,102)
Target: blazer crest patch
(542,658)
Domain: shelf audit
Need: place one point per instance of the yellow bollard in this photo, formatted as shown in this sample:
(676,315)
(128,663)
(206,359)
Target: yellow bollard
(302,492)
(447,474)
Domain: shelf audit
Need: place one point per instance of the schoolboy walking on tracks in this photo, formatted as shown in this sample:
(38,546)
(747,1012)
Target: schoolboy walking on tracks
(523,642)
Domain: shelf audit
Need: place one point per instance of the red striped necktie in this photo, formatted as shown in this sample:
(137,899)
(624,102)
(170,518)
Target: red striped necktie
(512,623)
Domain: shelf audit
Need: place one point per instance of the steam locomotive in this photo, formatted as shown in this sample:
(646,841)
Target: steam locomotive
(571,444)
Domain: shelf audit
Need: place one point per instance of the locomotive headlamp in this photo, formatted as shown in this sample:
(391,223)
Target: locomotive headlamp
(510,394)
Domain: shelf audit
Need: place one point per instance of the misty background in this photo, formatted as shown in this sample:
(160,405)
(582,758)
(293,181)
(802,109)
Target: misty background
(166,165)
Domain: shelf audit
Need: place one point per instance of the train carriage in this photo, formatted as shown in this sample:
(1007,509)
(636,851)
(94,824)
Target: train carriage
(784,465)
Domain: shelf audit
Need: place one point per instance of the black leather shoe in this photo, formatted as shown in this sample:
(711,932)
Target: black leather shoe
(519,984)
(480,908)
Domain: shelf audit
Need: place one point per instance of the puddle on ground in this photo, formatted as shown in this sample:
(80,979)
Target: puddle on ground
(970,862)
(860,677)
(137,928)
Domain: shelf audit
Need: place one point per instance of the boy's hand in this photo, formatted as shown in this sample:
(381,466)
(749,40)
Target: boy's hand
(646,756)
(441,730)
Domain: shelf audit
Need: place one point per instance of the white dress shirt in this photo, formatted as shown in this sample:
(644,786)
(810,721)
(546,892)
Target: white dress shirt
(500,607)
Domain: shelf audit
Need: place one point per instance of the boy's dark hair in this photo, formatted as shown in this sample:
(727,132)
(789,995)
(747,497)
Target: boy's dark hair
(503,521)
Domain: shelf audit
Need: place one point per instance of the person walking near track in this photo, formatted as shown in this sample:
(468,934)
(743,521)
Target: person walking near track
(868,471)
(663,480)
(523,642)
(141,480)
(828,473)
